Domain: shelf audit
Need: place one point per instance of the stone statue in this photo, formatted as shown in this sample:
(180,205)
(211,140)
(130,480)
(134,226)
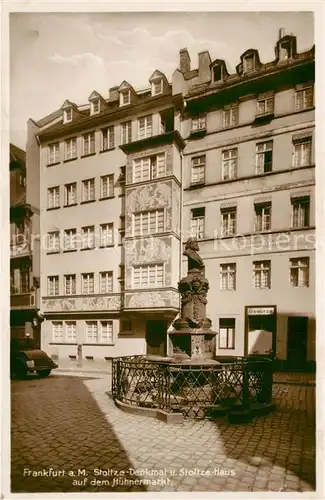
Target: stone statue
(191,251)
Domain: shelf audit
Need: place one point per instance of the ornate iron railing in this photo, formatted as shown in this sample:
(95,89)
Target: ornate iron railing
(193,390)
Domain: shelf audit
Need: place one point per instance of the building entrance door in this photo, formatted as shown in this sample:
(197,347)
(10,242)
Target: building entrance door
(297,341)
(261,330)
(156,337)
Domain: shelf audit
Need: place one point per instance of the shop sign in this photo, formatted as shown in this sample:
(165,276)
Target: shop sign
(260,311)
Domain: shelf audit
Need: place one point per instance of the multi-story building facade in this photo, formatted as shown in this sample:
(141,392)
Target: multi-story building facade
(227,158)
(24,252)
(249,175)
(110,225)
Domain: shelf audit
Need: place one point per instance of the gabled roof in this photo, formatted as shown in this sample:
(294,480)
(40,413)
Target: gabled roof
(95,95)
(17,155)
(125,85)
(157,75)
(68,104)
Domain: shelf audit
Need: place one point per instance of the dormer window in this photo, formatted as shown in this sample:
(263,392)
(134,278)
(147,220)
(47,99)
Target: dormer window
(217,73)
(125,97)
(249,63)
(95,107)
(286,50)
(67,115)
(157,87)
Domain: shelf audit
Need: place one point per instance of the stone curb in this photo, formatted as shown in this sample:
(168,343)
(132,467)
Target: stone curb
(74,370)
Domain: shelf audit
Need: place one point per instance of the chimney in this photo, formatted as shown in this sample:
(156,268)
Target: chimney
(281,33)
(113,94)
(184,61)
(204,67)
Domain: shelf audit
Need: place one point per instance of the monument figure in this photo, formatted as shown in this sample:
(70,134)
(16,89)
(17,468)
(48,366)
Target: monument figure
(192,332)
(193,258)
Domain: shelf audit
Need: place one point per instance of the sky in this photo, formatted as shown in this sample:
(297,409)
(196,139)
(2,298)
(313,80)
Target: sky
(58,56)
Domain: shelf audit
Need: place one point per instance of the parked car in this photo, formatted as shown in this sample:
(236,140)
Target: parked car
(25,359)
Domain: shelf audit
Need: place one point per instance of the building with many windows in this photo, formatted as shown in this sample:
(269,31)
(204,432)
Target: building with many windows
(125,180)
(248,196)
(24,251)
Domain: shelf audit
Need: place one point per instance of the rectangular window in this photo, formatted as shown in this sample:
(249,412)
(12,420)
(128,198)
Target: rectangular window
(70,192)
(54,242)
(53,153)
(149,222)
(265,106)
(300,209)
(197,222)
(148,276)
(299,272)
(262,274)
(302,152)
(262,217)
(88,190)
(125,97)
(249,63)
(95,106)
(70,148)
(106,234)
(88,143)
(69,284)
(227,276)
(57,331)
(157,87)
(53,285)
(157,166)
(151,167)
(230,117)
(304,98)
(91,331)
(198,123)
(229,163)
(67,115)
(285,51)
(22,180)
(24,280)
(198,169)
(71,331)
(264,152)
(126,132)
(227,333)
(145,127)
(87,283)
(107,186)
(106,332)
(217,73)
(53,197)
(88,237)
(70,239)
(108,138)
(106,282)
(228,221)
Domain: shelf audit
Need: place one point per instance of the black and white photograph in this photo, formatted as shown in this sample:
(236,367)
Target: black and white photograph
(161,211)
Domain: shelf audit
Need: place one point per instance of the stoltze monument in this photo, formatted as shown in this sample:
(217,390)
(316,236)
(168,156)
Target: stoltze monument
(192,337)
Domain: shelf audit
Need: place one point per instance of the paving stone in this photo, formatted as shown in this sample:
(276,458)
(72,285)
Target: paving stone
(77,425)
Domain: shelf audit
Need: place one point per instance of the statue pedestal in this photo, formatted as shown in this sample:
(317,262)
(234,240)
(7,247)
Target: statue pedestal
(192,337)
(193,345)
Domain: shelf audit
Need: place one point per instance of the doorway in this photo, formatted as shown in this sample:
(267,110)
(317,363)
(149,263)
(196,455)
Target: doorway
(156,337)
(297,341)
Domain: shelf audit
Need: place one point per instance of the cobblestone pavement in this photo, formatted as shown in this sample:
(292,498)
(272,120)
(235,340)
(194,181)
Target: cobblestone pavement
(68,423)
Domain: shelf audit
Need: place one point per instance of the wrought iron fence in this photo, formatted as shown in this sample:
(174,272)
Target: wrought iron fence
(193,390)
